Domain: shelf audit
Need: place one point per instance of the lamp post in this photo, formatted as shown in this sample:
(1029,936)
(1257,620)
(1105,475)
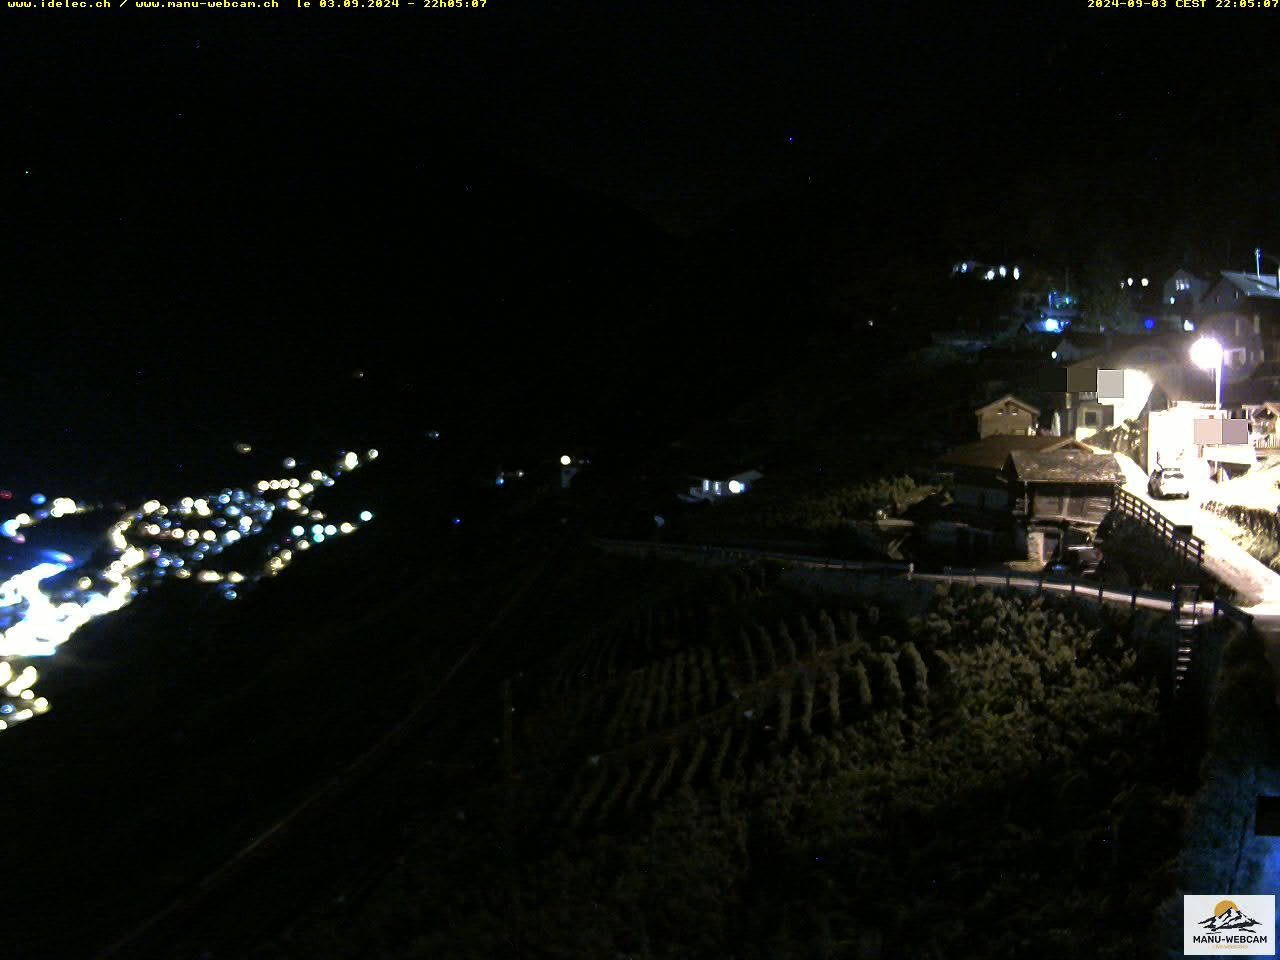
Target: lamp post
(1206,353)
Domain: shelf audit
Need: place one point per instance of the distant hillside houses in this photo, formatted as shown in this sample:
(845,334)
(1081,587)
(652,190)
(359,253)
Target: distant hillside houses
(1240,306)
(986,271)
(720,485)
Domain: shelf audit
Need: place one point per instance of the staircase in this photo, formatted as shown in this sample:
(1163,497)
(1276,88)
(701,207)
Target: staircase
(1186,614)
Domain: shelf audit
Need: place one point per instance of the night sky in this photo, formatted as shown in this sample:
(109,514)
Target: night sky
(681,115)
(496,185)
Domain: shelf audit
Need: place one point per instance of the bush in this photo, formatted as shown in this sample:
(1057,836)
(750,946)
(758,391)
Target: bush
(1261,530)
(803,513)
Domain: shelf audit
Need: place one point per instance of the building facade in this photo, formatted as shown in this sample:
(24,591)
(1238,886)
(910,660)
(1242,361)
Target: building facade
(1007,415)
(1242,311)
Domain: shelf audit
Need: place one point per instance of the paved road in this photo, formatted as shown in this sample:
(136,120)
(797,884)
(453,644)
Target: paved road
(1223,557)
(991,578)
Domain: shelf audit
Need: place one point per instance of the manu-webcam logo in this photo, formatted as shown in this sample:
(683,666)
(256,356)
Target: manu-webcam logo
(1239,925)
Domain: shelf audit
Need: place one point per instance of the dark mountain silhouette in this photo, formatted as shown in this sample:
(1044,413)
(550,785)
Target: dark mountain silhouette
(1230,919)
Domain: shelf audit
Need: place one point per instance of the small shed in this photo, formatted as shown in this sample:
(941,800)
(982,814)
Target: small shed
(976,468)
(1060,488)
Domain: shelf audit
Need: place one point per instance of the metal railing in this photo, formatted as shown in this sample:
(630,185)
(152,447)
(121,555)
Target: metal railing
(972,576)
(1127,504)
(1223,609)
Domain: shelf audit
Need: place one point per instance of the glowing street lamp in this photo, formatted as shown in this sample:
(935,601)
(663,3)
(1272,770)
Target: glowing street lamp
(1206,353)
(566,460)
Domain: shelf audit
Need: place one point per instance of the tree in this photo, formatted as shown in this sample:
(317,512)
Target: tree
(1104,304)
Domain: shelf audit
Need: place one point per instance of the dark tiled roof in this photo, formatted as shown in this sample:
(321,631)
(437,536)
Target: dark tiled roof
(992,452)
(1064,466)
(1251,285)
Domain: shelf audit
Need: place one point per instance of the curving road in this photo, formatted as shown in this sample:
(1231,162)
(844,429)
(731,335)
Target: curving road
(1223,557)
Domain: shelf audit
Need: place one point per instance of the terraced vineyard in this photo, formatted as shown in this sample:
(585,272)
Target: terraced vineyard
(741,769)
(708,711)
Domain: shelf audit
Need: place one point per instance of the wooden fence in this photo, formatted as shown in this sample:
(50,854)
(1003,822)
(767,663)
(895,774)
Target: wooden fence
(1190,546)
(1084,589)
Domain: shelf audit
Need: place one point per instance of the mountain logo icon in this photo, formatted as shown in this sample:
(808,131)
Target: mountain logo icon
(1227,916)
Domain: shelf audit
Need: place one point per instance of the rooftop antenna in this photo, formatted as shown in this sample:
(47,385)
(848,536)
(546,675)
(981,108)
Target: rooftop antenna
(1258,254)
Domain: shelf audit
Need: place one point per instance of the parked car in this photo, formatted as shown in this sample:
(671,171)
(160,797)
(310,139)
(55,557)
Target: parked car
(1168,482)
(1083,560)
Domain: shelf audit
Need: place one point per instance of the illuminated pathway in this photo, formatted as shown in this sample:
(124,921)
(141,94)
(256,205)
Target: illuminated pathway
(41,607)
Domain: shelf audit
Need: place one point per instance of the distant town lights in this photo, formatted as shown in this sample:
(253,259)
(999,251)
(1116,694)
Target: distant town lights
(1130,281)
(1017,274)
(1145,281)
(735,486)
(566,460)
